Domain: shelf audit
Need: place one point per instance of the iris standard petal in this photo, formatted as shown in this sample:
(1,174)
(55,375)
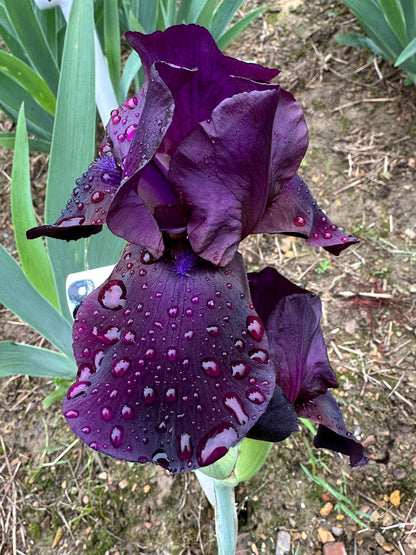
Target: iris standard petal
(87,209)
(221,172)
(294,211)
(192,46)
(173,363)
(332,433)
(291,316)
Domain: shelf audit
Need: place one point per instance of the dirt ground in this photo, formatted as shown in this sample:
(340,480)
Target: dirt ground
(58,497)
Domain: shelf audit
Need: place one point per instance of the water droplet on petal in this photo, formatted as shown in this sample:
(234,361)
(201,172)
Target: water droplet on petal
(327,235)
(160,457)
(106,413)
(172,354)
(232,403)
(113,295)
(77,389)
(185,446)
(129,337)
(195,299)
(71,413)
(299,221)
(149,395)
(210,303)
(117,436)
(213,330)
(216,443)
(127,412)
(211,367)
(255,327)
(173,311)
(130,131)
(239,369)
(259,355)
(86,430)
(97,196)
(120,367)
(170,394)
(344,239)
(239,345)
(255,396)
(84,371)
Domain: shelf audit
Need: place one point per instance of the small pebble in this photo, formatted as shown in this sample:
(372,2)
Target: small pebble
(283,542)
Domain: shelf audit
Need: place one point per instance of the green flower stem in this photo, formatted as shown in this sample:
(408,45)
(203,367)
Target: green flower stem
(221,496)
(105,97)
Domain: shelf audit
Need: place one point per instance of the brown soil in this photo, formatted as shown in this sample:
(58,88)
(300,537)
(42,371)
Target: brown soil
(58,497)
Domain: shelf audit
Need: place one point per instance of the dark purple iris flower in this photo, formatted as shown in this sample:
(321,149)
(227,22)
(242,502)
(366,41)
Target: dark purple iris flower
(178,360)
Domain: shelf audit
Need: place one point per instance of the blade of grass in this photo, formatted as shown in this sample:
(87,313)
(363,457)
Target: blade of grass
(131,69)
(12,95)
(207,12)
(9,36)
(19,296)
(394,15)
(32,38)
(38,145)
(112,44)
(29,80)
(407,53)
(18,359)
(225,39)
(73,139)
(33,257)
(223,15)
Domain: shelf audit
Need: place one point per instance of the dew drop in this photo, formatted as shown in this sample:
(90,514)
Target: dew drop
(213,330)
(255,396)
(239,345)
(113,394)
(130,131)
(344,239)
(173,311)
(150,353)
(120,367)
(185,446)
(210,303)
(170,394)
(117,436)
(106,413)
(160,457)
(129,337)
(299,221)
(86,430)
(259,355)
(127,412)
(131,103)
(189,334)
(97,196)
(113,295)
(255,327)
(239,369)
(233,404)
(172,354)
(195,299)
(149,395)
(211,367)
(71,413)
(77,389)
(216,443)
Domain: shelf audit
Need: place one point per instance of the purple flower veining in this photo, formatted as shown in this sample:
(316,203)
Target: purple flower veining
(180,354)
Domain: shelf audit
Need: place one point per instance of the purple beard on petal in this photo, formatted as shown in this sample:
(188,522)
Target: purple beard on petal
(173,362)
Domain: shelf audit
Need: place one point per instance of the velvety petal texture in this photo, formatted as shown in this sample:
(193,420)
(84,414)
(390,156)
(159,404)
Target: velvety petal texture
(87,209)
(173,362)
(177,359)
(291,318)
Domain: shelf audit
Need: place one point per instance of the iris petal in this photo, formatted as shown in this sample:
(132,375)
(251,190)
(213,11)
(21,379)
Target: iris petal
(168,361)
(294,211)
(291,318)
(225,162)
(332,433)
(87,209)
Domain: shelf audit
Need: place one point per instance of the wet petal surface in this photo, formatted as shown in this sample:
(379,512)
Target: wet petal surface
(87,209)
(173,363)
(332,433)
(294,211)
